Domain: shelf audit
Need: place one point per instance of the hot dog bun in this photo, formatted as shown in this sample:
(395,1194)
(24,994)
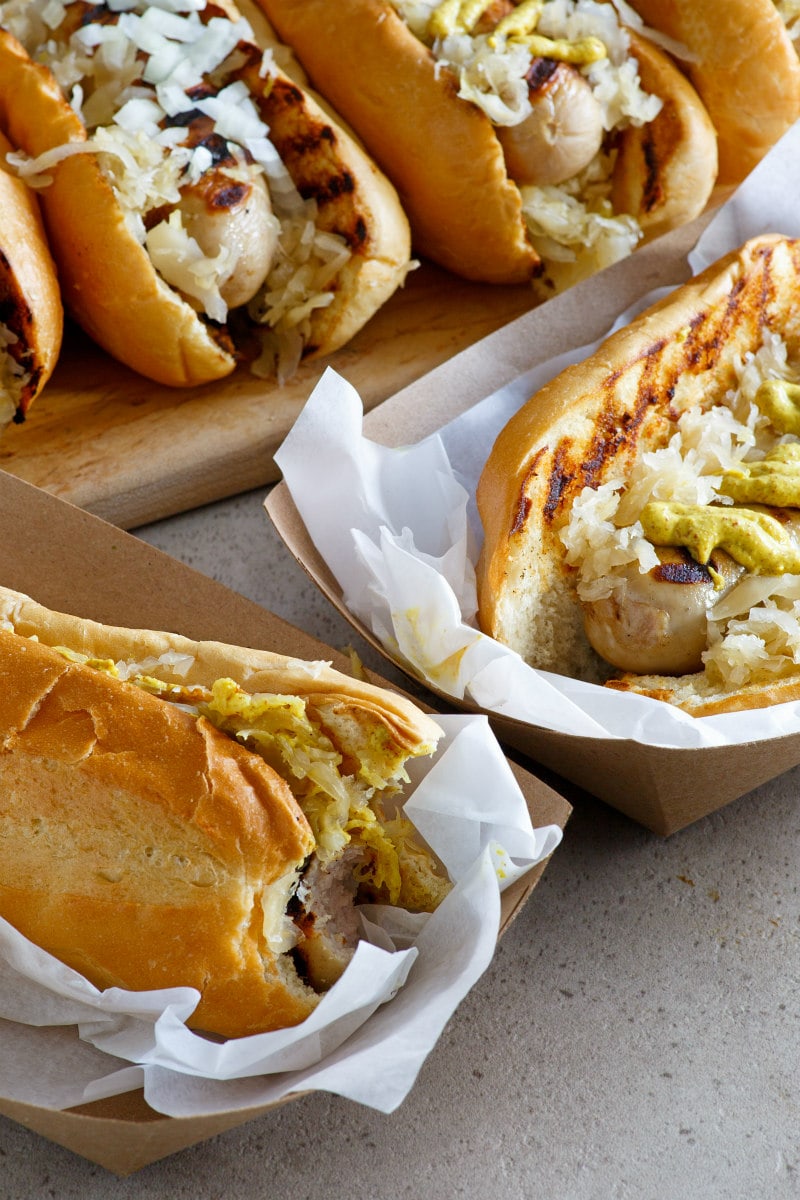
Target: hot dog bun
(442,152)
(742,62)
(117,297)
(442,155)
(146,847)
(30,301)
(681,141)
(590,427)
(109,282)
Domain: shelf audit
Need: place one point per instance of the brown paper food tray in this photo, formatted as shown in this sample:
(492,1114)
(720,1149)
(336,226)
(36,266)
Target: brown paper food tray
(46,546)
(662,789)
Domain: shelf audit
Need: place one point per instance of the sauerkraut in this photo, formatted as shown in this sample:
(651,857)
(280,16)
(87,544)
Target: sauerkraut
(133,74)
(347,801)
(789,11)
(572,225)
(754,631)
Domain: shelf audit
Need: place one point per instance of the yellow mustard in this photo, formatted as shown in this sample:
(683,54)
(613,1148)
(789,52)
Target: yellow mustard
(779,401)
(755,539)
(580,52)
(774,480)
(448,17)
(522,20)
(461,16)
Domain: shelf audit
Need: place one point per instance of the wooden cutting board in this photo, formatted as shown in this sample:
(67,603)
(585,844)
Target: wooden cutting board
(132,451)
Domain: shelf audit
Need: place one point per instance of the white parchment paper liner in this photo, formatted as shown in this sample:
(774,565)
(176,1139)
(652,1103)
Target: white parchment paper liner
(398,529)
(63,1039)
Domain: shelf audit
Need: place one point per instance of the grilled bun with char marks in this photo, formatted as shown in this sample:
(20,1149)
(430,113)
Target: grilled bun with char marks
(147,844)
(31,314)
(271,248)
(743,64)
(642,510)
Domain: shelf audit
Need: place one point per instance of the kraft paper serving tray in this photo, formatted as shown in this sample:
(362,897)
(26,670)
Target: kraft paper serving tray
(45,546)
(664,789)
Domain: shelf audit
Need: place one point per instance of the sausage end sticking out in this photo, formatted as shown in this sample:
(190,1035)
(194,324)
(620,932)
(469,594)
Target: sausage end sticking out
(224,213)
(563,132)
(656,622)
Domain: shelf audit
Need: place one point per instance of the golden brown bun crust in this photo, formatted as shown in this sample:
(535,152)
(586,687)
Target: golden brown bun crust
(184,829)
(30,300)
(118,296)
(405,727)
(354,199)
(115,295)
(175,847)
(589,423)
(666,170)
(441,154)
(744,67)
(693,695)
(138,842)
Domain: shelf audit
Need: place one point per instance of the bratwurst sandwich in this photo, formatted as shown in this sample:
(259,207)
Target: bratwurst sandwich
(31,315)
(202,208)
(177,813)
(642,510)
(539,140)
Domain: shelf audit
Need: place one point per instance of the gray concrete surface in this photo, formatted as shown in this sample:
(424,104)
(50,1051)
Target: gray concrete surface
(637,1036)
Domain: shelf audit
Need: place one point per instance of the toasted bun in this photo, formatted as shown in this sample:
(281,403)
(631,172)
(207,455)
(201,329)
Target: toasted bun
(115,295)
(141,846)
(743,65)
(441,154)
(693,694)
(30,300)
(666,170)
(394,724)
(109,283)
(355,200)
(147,849)
(590,424)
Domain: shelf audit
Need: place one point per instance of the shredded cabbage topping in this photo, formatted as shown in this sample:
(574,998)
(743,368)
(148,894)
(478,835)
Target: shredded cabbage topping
(789,12)
(344,803)
(133,74)
(754,631)
(572,225)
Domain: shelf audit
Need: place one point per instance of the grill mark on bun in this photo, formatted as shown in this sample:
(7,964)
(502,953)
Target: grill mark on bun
(310,151)
(290,94)
(561,478)
(524,504)
(617,432)
(337,185)
(652,191)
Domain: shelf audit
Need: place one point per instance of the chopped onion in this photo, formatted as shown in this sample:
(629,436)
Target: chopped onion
(136,115)
(127,79)
(53,14)
(173,99)
(753,590)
